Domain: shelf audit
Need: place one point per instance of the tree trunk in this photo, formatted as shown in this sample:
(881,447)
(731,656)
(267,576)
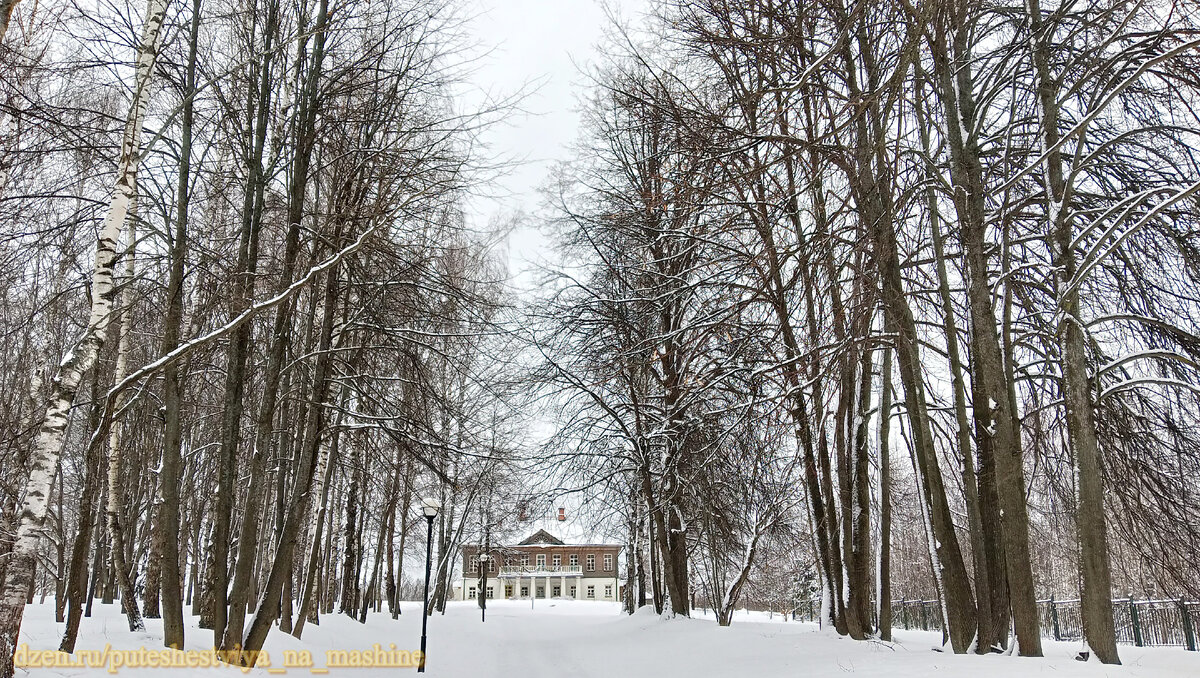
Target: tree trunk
(116,534)
(885,498)
(309,597)
(995,418)
(269,606)
(240,592)
(172,462)
(77,579)
(984,555)
(1095,599)
(872,188)
(859,565)
(352,547)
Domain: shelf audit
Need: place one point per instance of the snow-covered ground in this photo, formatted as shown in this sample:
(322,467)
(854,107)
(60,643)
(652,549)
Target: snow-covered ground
(570,638)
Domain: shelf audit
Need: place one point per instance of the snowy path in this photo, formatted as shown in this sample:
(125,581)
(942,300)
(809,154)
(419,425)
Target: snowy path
(564,639)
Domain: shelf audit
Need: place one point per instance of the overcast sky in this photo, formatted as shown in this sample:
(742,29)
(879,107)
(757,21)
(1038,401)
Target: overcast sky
(541,45)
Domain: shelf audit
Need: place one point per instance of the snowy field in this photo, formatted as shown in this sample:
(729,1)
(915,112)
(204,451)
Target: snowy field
(571,639)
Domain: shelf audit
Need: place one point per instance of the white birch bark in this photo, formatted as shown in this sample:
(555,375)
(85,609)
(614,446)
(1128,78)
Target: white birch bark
(77,361)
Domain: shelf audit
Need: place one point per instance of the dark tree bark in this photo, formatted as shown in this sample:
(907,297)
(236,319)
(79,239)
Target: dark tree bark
(1095,599)
(77,578)
(240,593)
(885,498)
(995,420)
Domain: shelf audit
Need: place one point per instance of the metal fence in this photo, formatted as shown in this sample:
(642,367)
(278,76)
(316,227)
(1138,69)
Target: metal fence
(1138,622)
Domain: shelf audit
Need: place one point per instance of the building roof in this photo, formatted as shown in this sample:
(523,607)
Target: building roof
(541,537)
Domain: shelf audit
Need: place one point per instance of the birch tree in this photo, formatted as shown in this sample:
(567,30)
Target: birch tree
(82,357)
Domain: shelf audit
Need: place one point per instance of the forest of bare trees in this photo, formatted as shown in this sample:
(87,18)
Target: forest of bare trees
(881,294)
(855,300)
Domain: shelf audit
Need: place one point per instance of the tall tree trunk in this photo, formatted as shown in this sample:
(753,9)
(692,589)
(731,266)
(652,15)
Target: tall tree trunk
(49,443)
(627,601)
(235,385)
(409,476)
(985,557)
(172,461)
(372,587)
(352,547)
(995,418)
(676,597)
(60,573)
(859,565)
(151,590)
(885,498)
(98,561)
(116,534)
(1095,599)
(948,563)
(388,530)
(816,448)
(872,188)
(240,592)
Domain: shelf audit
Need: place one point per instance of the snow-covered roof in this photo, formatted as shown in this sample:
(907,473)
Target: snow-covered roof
(549,530)
(541,537)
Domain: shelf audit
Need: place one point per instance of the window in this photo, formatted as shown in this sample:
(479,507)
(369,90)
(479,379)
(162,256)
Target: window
(557,560)
(607,591)
(474,562)
(557,591)
(508,591)
(608,562)
(591,590)
(492,564)
(524,591)
(525,560)
(471,594)
(541,561)
(591,563)
(541,592)
(574,560)
(572,591)
(489,591)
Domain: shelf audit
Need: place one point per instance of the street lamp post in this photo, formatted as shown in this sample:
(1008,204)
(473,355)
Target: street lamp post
(483,563)
(430,508)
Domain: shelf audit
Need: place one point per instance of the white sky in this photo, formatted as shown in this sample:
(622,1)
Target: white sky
(541,46)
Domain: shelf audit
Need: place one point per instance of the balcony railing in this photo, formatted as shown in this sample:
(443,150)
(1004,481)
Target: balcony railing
(540,569)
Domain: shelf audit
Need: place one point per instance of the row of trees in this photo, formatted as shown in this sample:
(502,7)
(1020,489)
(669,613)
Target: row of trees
(245,321)
(807,240)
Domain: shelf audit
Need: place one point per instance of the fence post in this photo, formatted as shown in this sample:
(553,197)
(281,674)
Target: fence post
(1189,632)
(923,626)
(904,613)
(1054,618)
(1137,627)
